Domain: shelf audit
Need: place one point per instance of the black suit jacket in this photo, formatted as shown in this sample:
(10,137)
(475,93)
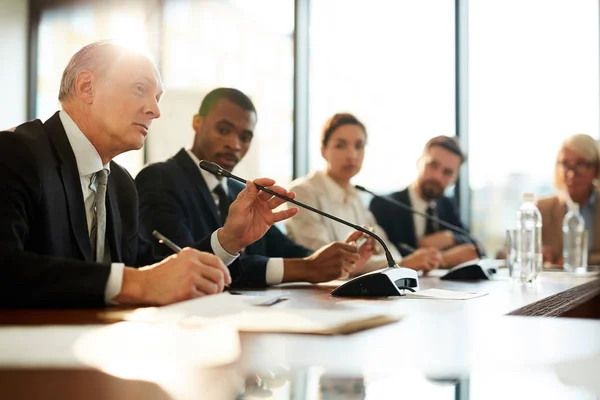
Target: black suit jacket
(43,226)
(176,201)
(399,224)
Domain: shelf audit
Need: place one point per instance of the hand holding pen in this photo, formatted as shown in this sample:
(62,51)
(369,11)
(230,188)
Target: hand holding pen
(206,274)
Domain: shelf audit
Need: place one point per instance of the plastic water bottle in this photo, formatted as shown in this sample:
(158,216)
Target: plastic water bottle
(573,232)
(529,249)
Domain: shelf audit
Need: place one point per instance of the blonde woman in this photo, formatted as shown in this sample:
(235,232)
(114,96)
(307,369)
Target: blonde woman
(343,142)
(576,177)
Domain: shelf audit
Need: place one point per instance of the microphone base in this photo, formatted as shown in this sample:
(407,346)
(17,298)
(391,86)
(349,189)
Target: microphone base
(381,283)
(473,270)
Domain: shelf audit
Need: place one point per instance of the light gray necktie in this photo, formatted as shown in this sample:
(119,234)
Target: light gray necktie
(98,232)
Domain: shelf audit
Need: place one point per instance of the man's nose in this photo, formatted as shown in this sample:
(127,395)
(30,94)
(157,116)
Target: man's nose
(233,142)
(153,110)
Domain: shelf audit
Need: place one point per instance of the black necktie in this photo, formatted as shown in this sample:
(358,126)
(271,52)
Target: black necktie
(431,226)
(224,202)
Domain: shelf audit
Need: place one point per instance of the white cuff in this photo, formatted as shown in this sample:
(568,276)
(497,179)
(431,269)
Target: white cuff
(114,283)
(274,274)
(220,252)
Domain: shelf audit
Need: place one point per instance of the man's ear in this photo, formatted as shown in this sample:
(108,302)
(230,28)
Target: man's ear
(84,86)
(197,122)
(322,151)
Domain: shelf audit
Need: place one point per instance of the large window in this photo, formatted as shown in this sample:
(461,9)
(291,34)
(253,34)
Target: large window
(390,63)
(533,77)
(243,44)
(64,30)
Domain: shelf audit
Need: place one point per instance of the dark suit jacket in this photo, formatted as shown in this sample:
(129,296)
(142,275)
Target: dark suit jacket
(175,200)
(399,224)
(42,213)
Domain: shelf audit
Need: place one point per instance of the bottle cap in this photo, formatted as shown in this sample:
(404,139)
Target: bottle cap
(529,197)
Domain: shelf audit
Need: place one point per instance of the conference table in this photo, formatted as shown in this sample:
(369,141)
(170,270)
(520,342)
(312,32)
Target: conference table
(538,340)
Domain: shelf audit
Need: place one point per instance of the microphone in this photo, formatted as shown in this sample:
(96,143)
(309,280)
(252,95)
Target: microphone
(386,282)
(470,270)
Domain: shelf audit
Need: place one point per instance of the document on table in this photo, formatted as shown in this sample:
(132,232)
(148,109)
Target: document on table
(441,294)
(239,312)
(322,322)
(207,306)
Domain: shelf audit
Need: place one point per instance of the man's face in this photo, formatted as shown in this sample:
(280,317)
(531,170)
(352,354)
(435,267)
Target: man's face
(224,135)
(438,168)
(125,101)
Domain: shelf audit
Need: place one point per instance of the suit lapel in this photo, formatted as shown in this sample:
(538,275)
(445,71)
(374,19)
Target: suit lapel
(403,197)
(113,223)
(233,189)
(69,174)
(195,178)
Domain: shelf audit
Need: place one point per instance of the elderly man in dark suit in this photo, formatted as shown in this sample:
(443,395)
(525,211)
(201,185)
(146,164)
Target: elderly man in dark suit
(69,214)
(438,168)
(185,202)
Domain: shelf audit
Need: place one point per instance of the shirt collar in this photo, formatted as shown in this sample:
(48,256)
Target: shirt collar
(591,203)
(87,157)
(335,191)
(592,200)
(417,201)
(211,180)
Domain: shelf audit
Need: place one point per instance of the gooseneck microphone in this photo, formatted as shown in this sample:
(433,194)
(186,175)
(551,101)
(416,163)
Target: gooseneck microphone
(390,281)
(220,172)
(408,208)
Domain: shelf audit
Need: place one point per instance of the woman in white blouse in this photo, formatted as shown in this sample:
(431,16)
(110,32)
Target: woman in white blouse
(343,143)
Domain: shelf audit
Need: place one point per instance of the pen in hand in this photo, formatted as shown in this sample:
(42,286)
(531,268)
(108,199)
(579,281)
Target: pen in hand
(169,243)
(164,240)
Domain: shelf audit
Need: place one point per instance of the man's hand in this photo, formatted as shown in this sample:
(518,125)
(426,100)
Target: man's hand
(458,255)
(365,251)
(425,259)
(440,240)
(251,215)
(333,261)
(182,276)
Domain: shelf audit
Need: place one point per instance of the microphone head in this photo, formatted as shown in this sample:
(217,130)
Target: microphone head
(214,169)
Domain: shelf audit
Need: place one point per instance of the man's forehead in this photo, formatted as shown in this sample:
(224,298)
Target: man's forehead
(226,109)
(139,68)
(440,154)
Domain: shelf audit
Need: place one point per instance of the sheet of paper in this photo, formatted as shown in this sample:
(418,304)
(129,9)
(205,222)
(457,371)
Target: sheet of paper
(273,320)
(207,306)
(239,312)
(441,294)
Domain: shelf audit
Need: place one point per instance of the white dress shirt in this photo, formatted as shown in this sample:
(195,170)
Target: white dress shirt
(418,204)
(313,231)
(274,272)
(88,163)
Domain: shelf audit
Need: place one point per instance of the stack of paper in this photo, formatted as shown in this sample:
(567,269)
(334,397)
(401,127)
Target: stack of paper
(239,312)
